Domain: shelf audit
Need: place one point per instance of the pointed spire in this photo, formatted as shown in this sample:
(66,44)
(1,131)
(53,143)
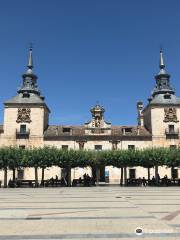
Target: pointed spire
(161,63)
(29,78)
(30,60)
(162,80)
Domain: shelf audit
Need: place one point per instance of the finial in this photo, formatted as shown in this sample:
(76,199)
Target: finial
(97,102)
(161,64)
(30,60)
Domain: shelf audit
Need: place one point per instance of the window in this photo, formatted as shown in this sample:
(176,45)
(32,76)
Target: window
(26,95)
(20,174)
(22,146)
(171,128)
(65,147)
(172,146)
(23,128)
(128,130)
(131,147)
(98,147)
(167,96)
(132,173)
(174,173)
(66,130)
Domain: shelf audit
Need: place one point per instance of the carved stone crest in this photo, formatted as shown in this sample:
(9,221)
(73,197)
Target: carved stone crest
(24,115)
(81,145)
(114,145)
(170,115)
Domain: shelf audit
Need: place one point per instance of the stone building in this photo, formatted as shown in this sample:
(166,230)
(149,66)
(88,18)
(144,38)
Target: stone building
(26,124)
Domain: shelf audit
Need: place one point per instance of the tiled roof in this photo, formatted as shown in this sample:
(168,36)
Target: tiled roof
(78,133)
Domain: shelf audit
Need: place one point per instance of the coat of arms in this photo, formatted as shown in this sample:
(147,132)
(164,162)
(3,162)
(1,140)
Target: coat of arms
(170,115)
(24,115)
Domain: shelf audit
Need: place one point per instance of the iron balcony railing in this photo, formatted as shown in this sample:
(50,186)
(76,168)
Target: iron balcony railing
(22,134)
(171,131)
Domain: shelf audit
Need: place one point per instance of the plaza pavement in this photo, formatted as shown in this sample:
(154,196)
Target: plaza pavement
(90,213)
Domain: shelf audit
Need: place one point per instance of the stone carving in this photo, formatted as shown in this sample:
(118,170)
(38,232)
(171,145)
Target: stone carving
(170,115)
(24,115)
(81,145)
(97,122)
(114,145)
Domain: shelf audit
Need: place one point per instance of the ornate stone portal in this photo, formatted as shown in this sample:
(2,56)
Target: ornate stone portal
(170,115)
(24,115)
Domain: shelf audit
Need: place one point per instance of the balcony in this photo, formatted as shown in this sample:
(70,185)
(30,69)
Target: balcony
(172,133)
(22,134)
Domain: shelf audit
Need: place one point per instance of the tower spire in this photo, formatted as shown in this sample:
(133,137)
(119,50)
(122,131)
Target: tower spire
(29,78)
(30,60)
(161,63)
(162,79)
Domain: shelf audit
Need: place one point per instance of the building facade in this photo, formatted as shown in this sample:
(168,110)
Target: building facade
(26,125)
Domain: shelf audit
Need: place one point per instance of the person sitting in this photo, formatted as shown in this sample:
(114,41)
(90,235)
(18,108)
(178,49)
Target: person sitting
(11,183)
(80,180)
(165,180)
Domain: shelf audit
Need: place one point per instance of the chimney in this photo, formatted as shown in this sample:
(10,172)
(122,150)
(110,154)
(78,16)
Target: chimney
(140,114)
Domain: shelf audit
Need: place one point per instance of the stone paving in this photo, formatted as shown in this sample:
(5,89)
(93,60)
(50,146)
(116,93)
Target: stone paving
(90,213)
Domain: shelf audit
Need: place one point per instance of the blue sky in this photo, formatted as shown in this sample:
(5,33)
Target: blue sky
(88,51)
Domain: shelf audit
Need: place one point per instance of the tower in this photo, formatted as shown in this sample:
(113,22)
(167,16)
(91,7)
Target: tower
(162,114)
(26,114)
(97,125)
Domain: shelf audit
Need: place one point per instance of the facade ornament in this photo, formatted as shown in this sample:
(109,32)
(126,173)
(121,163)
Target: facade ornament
(81,145)
(170,115)
(97,116)
(114,145)
(24,115)
(97,122)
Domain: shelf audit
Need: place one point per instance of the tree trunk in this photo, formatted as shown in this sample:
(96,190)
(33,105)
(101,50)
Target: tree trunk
(14,174)
(156,175)
(36,177)
(97,176)
(172,169)
(5,177)
(42,176)
(148,174)
(121,180)
(69,176)
(93,173)
(125,176)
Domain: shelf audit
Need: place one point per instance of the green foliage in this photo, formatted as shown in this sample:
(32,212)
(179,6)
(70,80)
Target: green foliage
(12,157)
(151,157)
(173,157)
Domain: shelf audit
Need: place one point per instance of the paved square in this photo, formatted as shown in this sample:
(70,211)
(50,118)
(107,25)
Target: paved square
(90,213)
